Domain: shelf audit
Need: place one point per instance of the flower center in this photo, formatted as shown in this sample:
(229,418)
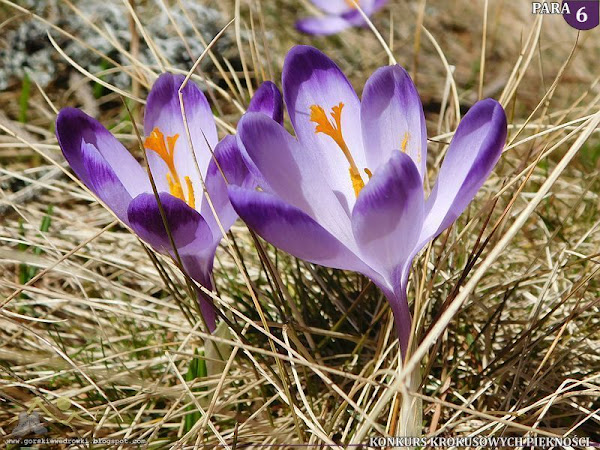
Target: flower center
(334,130)
(351,4)
(166,150)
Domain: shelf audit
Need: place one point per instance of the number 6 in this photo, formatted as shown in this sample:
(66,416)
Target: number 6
(581,15)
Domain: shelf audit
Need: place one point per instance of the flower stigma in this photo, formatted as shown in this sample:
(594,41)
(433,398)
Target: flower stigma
(166,150)
(334,130)
(353,4)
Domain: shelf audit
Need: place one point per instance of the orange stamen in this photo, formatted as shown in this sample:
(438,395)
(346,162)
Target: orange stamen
(357,182)
(191,198)
(166,150)
(334,130)
(351,4)
(405,141)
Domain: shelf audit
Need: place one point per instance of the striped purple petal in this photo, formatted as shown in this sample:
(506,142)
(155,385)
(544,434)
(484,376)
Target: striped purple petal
(227,166)
(100,161)
(191,234)
(392,118)
(311,79)
(267,100)
(199,267)
(189,230)
(292,230)
(163,114)
(388,214)
(293,172)
(473,153)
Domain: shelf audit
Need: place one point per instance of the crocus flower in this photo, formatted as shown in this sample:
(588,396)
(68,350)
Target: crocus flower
(338,15)
(104,165)
(347,192)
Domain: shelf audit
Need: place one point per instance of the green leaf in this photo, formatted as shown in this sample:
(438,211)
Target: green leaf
(197,369)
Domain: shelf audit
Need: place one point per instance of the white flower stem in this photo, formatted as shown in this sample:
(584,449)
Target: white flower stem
(411,408)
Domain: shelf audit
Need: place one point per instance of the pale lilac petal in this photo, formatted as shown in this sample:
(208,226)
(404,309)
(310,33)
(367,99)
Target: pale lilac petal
(163,108)
(392,118)
(322,25)
(473,153)
(267,100)
(290,229)
(339,15)
(74,128)
(228,164)
(311,78)
(163,111)
(337,7)
(388,214)
(293,172)
(356,18)
(102,181)
(368,6)
(189,230)
(334,7)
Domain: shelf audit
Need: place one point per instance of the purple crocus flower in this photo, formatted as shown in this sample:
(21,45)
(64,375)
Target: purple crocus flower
(339,15)
(105,166)
(347,192)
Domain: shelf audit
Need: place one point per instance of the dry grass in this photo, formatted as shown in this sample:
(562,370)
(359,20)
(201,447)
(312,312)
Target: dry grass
(506,302)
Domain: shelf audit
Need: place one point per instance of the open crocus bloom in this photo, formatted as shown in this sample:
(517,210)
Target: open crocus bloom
(106,167)
(348,191)
(339,15)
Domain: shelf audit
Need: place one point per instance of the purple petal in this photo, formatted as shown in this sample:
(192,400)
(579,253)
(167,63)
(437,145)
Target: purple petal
(163,108)
(378,4)
(392,118)
(163,111)
(230,160)
(232,166)
(473,153)
(337,7)
(292,172)
(192,237)
(267,99)
(355,18)
(102,181)
(387,220)
(368,6)
(311,78)
(290,229)
(75,128)
(388,214)
(402,317)
(332,6)
(199,268)
(322,25)
(190,231)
